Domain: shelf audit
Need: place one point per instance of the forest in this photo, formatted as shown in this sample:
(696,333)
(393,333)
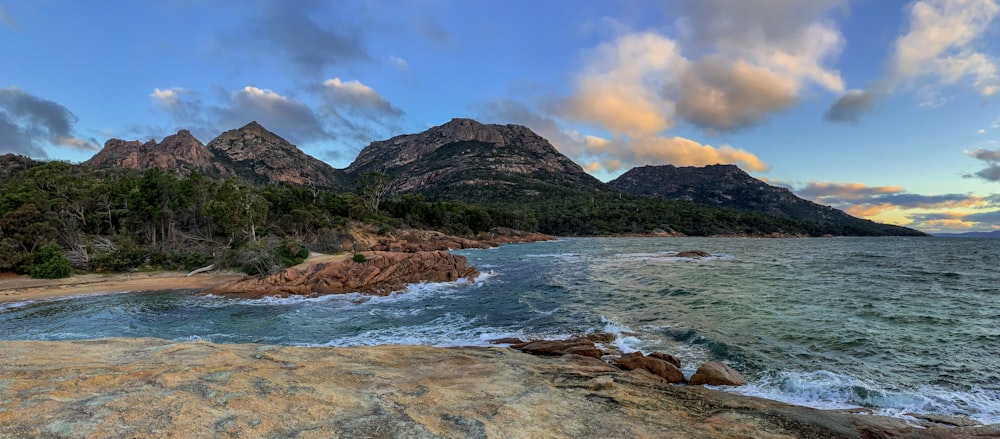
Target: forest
(58,218)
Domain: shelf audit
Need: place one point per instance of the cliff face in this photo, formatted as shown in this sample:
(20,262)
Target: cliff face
(724,186)
(261,156)
(180,153)
(469,154)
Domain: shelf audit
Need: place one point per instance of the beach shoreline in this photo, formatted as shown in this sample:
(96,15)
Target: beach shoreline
(22,288)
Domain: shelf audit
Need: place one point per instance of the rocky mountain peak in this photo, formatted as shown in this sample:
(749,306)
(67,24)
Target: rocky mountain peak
(722,186)
(180,152)
(465,152)
(259,155)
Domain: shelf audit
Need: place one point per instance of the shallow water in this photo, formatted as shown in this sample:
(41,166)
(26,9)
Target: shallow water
(898,324)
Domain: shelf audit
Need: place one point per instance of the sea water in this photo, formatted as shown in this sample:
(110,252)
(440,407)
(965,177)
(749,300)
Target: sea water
(899,325)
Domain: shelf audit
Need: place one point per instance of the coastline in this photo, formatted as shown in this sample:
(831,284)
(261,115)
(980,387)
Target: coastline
(22,288)
(159,388)
(755,417)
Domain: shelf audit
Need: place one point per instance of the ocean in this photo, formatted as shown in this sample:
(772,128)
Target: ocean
(898,325)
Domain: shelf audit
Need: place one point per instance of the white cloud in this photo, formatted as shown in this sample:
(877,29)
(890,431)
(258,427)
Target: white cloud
(398,62)
(939,43)
(168,98)
(939,48)
(981,131)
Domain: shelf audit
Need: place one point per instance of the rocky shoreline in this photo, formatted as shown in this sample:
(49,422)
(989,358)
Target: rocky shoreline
(157,388)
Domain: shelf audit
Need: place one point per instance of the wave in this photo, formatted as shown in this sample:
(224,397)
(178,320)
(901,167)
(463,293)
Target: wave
(413,292)
(829,390)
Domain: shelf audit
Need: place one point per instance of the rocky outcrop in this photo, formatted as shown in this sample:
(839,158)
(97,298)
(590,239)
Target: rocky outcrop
(380,274)
(714,373)
(574,346)
(261,156)
(464,156)
(150,388)
(654,365)
(181,153)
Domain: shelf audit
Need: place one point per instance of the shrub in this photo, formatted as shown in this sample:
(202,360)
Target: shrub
(292,254)
(49,263)
(359,258)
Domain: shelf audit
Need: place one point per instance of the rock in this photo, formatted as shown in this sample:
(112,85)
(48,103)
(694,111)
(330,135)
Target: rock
(506,340)
(714,373)
(575,346)
(668,358)
(381,274)
(153,388)
(694,254)
(601,337)
(653,365)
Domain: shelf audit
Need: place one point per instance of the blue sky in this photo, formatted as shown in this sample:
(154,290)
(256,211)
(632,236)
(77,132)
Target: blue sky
(887,109)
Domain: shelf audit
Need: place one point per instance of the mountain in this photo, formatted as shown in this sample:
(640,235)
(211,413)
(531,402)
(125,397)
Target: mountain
(260,156)
(180,153)
(994,234)
(251,152)
(728,186)
(465,159)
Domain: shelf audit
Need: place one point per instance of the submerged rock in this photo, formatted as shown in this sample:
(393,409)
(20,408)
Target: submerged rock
(381,273)
(714,373)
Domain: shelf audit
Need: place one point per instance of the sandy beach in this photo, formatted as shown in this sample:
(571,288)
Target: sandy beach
(21,288)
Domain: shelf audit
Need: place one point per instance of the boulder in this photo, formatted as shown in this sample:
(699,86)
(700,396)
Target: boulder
(668,358)
(577,346)
(694,254)
(382,273)
(653,365)
(714,373)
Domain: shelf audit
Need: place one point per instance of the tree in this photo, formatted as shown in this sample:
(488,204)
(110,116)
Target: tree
(372,188)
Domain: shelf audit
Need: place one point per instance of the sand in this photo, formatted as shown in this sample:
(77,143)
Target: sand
(21,288)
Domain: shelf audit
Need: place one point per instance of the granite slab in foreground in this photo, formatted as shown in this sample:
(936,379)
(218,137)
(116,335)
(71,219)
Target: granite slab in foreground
(156,388)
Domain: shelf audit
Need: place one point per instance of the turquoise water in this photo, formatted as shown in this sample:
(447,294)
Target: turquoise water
(897,324)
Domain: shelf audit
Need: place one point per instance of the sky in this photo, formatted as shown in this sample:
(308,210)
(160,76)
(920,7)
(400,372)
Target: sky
(889,110)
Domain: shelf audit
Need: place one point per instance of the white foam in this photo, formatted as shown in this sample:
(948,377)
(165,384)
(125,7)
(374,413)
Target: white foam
(412,292)
(828,390)
(445,331)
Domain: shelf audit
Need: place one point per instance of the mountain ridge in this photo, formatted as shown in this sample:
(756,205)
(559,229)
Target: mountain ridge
(486,164)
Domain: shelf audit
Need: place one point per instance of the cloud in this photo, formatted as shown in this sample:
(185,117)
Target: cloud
(728,95)
(991,217)
(981,131)
(937,49)
(6,19)
(291,118)
(618,152)
(851,105)
(28,122)
(359,98)
(733,66)
(618,90)
(398,62)
(992,159)
(306,35)
(167,98)
(730,66)
(939,43)
(894,204)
